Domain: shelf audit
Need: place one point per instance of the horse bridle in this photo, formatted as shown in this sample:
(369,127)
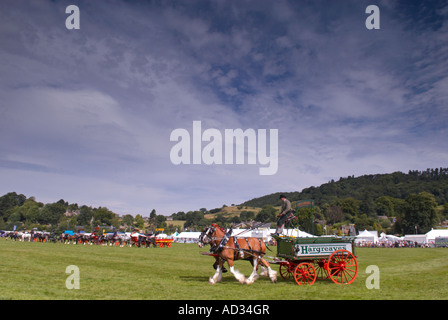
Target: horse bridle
(205,236)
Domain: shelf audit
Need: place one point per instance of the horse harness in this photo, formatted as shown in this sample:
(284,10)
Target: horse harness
(237,249)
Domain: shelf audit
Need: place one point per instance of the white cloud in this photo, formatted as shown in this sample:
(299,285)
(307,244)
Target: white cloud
(89,113)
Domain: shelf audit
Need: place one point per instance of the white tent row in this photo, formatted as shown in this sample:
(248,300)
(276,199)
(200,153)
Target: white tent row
(265,234)
(429,237)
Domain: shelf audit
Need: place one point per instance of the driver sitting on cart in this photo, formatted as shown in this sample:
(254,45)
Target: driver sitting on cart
(284,215)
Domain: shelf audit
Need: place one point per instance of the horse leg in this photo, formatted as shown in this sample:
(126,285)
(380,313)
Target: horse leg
(217,277)
(254,274)
(264,270)
(272,273)
(240,277)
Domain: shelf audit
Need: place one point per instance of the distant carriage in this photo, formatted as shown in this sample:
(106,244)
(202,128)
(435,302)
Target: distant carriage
(164,242)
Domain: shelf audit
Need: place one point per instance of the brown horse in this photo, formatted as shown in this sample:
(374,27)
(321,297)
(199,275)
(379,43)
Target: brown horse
(230,248)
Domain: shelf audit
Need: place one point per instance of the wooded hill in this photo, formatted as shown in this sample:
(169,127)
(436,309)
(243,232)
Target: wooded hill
(368,188)
(396,203)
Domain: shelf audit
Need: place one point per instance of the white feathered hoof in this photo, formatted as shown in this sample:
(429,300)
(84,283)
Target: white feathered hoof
(240,277)
(272,275)
(264,271)
(251,280)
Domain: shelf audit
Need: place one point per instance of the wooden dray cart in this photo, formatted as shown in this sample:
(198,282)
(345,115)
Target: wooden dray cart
(308,259)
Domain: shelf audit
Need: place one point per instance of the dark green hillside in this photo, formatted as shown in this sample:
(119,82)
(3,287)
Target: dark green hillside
(368,188)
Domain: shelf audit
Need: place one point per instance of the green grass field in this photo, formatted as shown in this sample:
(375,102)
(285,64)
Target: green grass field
(37,271)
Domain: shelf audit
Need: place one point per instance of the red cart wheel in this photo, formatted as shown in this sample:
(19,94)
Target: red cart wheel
(305,273)
(342,267)
(321,269)
(287,270)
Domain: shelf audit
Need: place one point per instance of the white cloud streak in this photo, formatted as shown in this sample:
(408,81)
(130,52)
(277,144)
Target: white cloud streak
(86,115)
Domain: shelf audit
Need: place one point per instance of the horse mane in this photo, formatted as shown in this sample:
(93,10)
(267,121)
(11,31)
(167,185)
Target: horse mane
(218,227)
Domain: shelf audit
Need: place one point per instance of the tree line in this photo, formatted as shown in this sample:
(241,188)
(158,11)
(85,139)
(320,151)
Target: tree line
(367,188)
(396,203)
(27,213)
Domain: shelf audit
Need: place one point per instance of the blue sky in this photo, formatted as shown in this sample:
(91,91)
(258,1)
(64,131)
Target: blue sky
(86,115)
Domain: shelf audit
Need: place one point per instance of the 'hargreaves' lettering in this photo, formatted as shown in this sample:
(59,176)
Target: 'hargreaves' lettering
(319,249)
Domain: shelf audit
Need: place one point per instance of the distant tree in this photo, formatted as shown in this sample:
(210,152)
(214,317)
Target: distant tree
(335,214)
(305,217)
(319,230)
(367,205)
(153,219)
(362,222)
(128,220)
(445,211)
(139,222)
(385,206)
(85,216)
(236,219)
(30,210)
(179,216)
(267,214)
(10,200)
(14,217)
(385,225)
(221,219)
(349,206)
(193,218)
(247,215)
(52,212)
(400,209)
(420,214)
(160,221)
(103,216)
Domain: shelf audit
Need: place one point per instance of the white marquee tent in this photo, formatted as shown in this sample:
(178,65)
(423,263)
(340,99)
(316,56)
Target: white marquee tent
(295,233)
(436,233)
(187,237)
(367,236)
(388,237)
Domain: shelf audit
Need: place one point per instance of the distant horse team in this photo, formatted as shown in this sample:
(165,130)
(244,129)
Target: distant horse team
(109,239)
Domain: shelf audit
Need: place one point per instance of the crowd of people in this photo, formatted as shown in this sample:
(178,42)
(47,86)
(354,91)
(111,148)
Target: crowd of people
(394,244)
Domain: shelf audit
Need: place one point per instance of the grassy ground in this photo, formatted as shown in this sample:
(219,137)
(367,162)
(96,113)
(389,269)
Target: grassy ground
(37,271)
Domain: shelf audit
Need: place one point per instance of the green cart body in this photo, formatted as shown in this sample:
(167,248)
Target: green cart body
(308,259)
